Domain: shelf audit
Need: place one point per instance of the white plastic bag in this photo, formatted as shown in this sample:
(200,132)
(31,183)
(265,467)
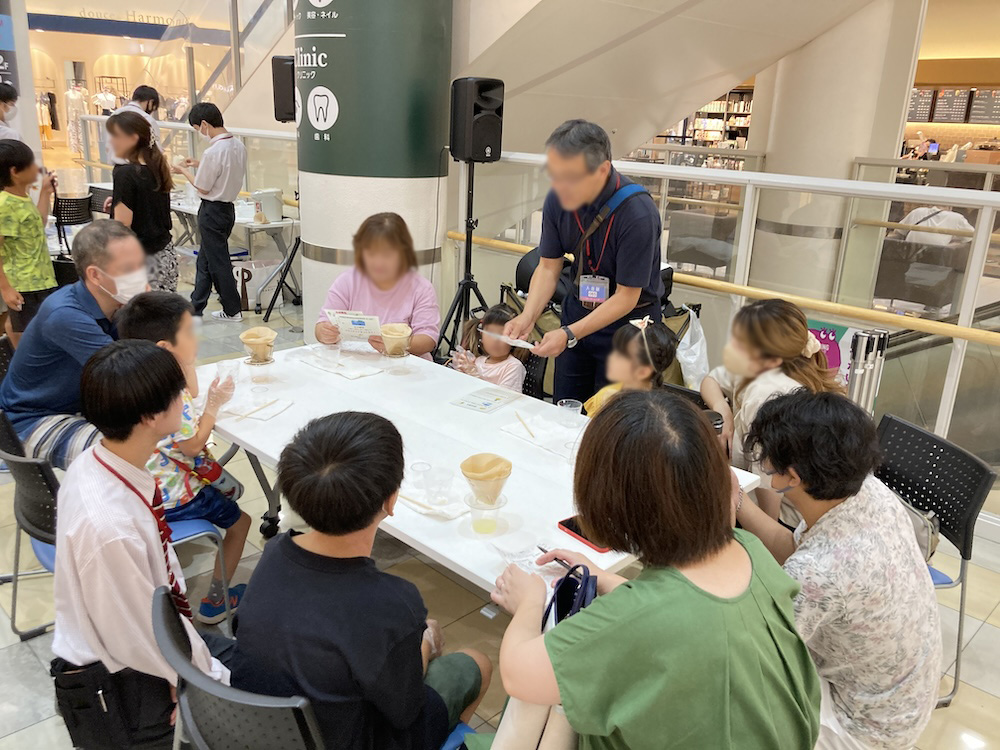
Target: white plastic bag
(692,352)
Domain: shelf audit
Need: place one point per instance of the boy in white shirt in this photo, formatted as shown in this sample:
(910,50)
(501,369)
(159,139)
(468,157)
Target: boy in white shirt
(218,182)
(113,687)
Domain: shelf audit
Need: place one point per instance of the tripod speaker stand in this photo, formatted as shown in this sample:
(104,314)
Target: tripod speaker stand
(461,308)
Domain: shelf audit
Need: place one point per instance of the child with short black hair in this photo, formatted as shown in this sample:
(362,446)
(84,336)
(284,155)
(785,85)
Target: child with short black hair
(485,355)
(26,276)
(193,483)
(353,640)
(640,352)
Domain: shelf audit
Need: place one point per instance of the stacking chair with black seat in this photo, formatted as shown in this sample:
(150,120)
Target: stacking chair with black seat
(932,474)
(35,491)
(534,376)
(70,212)
(213,716)
(6,355)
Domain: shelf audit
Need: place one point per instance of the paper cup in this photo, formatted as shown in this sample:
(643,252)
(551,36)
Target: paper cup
(486,473)
(396,339)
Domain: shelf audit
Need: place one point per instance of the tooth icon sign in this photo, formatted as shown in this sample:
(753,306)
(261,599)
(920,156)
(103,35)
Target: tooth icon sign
(322,108)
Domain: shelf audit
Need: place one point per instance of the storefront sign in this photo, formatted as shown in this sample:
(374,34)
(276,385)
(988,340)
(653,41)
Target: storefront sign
(8,60)
(372,77)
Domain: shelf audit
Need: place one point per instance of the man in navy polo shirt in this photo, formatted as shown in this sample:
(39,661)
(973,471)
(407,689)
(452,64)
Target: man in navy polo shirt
(620,275)
(41,392)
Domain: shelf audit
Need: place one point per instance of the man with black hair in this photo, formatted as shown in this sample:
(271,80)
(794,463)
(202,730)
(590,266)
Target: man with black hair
(113,687)
(355,641)
(26,276)
(8,111)
(867,609)
(41,392)
(219,179)
(145,101)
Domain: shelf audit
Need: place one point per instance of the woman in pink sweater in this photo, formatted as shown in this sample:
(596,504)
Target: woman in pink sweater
(385,282)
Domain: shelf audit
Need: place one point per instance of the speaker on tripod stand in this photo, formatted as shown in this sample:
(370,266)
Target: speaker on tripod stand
(476,130)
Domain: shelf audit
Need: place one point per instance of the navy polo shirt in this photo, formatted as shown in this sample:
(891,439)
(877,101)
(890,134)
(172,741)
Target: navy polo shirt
(626,248)
(44,376)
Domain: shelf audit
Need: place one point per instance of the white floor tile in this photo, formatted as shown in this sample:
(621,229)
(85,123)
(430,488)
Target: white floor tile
(981,660)
(28,696)
(949,633)
(50,734)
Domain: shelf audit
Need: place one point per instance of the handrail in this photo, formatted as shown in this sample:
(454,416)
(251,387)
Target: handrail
(876,317)
(927,164)
(738,153)
(281,135)
(914,227)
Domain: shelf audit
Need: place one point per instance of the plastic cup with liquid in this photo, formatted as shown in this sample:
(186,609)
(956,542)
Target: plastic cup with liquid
(485,516)
(569,412)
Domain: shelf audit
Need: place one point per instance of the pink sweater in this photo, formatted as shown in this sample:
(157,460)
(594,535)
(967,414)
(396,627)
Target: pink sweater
(412,301)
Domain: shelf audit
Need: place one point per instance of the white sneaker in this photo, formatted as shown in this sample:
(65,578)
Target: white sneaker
(221,315)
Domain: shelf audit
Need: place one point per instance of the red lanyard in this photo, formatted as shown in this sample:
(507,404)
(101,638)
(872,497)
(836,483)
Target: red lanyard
(607,233)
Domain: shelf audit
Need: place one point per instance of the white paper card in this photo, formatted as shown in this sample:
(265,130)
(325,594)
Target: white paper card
(353,325)
(509,340)
(486,400)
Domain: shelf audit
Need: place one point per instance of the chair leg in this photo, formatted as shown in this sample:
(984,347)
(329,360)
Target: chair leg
(24,635)
(228,455)
(228,629)
(945,700)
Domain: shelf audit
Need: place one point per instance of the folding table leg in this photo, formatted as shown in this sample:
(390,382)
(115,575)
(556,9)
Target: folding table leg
(269,527)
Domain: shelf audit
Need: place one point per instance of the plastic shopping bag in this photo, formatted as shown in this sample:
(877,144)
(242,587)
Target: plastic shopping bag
(692,352)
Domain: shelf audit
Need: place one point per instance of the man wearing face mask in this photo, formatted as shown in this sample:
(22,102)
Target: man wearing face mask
(145,101)
(8,111)
(218,181)
(41,392)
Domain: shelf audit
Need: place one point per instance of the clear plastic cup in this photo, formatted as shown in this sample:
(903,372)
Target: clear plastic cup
(485,516)
(228,368)
(418,475)
(438,485)
(569,412)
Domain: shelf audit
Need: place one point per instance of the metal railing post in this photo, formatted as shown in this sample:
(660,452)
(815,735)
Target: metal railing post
(966,311)
(85,131)
(234,43)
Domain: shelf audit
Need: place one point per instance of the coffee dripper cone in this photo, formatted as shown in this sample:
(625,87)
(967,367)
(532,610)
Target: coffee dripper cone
(486,473)
(259,344)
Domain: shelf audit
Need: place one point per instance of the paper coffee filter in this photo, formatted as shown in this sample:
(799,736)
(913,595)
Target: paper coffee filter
(486,473)
(258,335)
(396,330)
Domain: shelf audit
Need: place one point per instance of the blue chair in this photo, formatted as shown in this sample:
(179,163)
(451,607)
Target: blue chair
(457,737)
(932,474)
(182,532)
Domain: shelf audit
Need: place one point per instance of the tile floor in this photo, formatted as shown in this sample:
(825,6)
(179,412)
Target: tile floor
(27,713)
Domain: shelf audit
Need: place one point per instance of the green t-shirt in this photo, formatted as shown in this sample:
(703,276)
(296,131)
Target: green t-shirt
(25,252)
(661,664)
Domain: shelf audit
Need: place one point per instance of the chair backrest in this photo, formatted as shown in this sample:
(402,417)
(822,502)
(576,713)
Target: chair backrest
(693,396)
(35,486)
(534,376)
(72,211)
(6,355)
(219,717)
(933,474)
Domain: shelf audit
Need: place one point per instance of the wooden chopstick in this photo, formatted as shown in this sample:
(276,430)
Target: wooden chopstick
(524,424)
(257,409)
(409,499)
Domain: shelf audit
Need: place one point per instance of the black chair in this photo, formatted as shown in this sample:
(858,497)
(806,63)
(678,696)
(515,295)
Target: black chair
(6,355)
(686,393)
(71,212)
(933,474)
(35,491)
(534,377)
(213,716)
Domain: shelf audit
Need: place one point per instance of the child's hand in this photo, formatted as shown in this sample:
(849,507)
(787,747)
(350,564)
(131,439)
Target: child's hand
(376,343)
(218,395)
(48,182)
(13,298)
(327,333)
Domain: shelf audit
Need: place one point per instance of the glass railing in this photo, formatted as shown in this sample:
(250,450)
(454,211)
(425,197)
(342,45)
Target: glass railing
(833,246)
(678,155)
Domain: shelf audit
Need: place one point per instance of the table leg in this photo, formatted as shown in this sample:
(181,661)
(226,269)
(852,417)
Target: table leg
(279,240)
(269,527)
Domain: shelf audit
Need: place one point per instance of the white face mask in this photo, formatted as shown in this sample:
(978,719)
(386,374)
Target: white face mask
(11,113)
(128,285)
(206,136)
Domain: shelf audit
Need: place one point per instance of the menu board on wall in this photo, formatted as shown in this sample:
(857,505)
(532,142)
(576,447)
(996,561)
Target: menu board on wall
(985,107)
(920,105)
(951,105)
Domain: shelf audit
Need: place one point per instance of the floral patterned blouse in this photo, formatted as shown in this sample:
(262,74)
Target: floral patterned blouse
(868,613)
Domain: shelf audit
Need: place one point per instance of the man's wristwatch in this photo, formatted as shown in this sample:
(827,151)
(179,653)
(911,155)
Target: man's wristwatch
(571,340)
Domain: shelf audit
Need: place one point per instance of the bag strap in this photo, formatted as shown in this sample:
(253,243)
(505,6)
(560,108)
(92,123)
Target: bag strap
(620,196)
(931,215)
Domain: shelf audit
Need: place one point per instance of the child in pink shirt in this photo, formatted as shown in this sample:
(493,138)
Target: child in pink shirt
(484,355)
(384,282)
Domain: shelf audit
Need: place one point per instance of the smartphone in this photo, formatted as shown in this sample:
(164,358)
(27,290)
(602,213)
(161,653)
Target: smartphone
(572,527)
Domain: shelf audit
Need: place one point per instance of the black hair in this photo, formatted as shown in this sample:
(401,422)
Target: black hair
(661,342)
(14,156)
(830,441)
(205,112)
(153,316)
(143,94)
(127,382)
(582,137)
(498,315)
(339,470)
(8,94)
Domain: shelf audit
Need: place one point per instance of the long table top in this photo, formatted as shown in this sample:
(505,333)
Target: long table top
(416,395)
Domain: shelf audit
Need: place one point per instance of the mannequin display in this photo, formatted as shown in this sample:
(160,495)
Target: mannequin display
(44,119)
(76,107)
(105,101)
(181,108)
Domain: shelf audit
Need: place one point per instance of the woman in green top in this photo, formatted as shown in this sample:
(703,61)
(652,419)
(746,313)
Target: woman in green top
(700,650)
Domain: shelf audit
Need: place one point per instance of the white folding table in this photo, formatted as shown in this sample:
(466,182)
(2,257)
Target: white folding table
(415,395)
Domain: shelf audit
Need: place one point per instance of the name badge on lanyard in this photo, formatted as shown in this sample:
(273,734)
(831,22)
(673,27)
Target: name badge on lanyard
(594,289)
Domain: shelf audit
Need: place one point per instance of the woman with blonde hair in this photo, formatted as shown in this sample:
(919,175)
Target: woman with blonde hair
(770,352)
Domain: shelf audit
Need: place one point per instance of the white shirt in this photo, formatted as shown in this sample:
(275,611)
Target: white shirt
(222,168)
(868,613)
(931,216)
(131,107)
(109,559)
(8,133)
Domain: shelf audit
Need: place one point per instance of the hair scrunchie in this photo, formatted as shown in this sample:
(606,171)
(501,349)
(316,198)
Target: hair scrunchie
(812,346)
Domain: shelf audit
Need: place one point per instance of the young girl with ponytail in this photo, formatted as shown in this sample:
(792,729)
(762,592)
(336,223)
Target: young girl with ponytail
(770,352)
(141,196)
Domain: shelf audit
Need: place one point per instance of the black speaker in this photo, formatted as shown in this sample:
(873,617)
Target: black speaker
(476,119)
(283,83)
